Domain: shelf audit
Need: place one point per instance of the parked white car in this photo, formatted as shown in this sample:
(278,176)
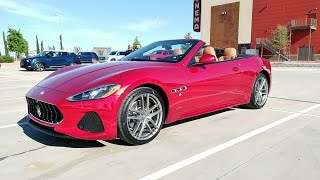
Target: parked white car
(114,56)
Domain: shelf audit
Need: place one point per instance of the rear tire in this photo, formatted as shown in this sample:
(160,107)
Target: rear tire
(141,116)
(94,61)
(259,94)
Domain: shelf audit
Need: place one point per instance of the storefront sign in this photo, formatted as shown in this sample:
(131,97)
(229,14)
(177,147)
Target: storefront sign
(196,15)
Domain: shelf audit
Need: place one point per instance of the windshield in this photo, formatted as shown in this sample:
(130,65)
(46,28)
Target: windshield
(113,53)
(179,49)
(43,53)
(157,52)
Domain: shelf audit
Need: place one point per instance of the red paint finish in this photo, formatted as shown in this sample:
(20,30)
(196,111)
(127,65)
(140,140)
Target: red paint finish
(268,14)
(209,87)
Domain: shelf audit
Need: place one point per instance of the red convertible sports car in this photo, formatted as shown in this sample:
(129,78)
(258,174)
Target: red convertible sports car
(131,99)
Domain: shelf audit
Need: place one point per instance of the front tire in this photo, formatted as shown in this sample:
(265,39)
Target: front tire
(259,94)
(39,66)
(141,116)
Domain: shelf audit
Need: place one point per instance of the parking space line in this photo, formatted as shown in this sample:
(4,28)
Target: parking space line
(12,99)
(291,112)
(16,87)
(179,165)
(14,111)
(15,80)
(13,125)
(19,76)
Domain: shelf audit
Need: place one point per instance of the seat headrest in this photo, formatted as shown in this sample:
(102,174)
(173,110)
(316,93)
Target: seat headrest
(209,50)
(230,52)
(176,52)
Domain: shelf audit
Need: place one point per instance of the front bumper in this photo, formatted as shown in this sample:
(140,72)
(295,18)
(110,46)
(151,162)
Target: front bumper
(73,112)
(26,65)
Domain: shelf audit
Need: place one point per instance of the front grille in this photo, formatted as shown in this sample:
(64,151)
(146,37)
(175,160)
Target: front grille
(43,111)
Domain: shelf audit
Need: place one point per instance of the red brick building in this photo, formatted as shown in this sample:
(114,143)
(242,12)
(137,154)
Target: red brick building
(299,15)
(247,24)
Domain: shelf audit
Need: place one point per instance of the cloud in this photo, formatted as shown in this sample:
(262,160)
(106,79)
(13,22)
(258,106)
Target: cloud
(145,24)
(36,10)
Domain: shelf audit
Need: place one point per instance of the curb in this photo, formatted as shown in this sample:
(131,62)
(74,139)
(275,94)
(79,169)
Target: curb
(313,65)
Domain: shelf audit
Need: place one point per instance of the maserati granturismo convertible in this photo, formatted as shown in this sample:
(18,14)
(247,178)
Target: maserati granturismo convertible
(132,98)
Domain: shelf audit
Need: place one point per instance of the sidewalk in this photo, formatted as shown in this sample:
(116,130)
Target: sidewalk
(296,64)
(15,64)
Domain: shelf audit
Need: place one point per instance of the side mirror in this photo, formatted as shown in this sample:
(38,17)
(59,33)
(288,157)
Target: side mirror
(207,59)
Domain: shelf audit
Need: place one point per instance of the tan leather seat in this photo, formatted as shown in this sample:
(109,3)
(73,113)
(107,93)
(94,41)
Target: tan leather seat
(176,52)
(209,50)
(229,53)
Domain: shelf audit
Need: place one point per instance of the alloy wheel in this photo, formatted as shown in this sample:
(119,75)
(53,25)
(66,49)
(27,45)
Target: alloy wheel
(261,91)
(144,116)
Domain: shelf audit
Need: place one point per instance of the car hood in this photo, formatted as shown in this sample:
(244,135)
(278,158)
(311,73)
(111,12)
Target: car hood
(80,78)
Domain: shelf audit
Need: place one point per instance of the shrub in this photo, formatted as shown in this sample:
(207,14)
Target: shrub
(6,59)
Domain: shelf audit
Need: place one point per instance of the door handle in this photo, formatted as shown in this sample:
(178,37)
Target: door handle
(235,69)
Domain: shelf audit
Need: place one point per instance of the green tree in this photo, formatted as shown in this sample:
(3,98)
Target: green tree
(0,53)
(61,47)
(51,48)
(135,43)
(6,51)
(42,49)
(16,42)
(185,47)
(37,43)
(280,38)
(188,36)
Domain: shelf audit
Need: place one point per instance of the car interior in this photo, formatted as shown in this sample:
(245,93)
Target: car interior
(220,54)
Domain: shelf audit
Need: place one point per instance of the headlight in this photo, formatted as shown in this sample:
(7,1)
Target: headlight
(96,93)
(28,60)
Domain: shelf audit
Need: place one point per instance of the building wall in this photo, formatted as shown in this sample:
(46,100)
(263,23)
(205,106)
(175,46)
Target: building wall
(225,27)
(268,13)
(245,19)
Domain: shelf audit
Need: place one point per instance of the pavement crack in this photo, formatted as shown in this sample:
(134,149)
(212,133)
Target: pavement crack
(24,152)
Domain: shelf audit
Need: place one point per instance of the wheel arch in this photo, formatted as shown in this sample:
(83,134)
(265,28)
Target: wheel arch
(162,94)
(264,72)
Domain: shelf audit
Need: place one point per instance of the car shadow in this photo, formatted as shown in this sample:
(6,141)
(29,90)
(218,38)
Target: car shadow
(55,141)
(196,118)
(53,69)
(77,143)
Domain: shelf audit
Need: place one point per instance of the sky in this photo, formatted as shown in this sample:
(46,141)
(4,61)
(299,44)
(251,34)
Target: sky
(97,23)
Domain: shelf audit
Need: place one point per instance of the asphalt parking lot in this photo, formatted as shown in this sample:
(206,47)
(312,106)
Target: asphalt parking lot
(280,141)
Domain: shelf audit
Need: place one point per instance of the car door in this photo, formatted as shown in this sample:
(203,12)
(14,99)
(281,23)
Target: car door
(85,57)
(212,86)
(52,58)
(63,58)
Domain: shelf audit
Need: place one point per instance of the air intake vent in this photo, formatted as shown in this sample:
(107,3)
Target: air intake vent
(91,122)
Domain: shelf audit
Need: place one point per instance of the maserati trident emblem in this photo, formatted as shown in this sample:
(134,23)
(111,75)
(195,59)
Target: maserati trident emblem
(38,110)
